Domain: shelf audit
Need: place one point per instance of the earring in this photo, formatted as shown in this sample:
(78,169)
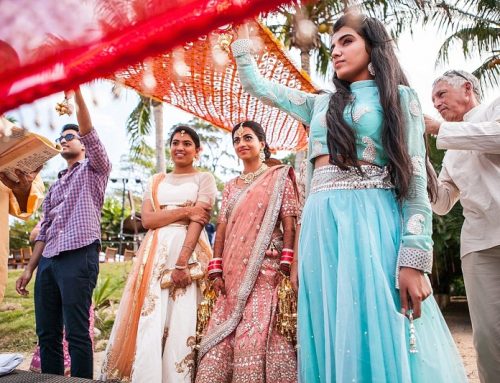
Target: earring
(196,161)
(371,70)
(170,164)
(262,155)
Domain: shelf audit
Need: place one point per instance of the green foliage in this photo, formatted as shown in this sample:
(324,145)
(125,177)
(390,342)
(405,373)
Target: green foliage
(139,125)
(289,159)
(106,295)
(446,235)
(20,232)
(474,24)
(104,289)
(111,216)
(457,286)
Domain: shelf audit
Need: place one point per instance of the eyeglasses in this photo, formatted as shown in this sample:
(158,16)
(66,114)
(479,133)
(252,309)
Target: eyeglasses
(67,137)
(452,73)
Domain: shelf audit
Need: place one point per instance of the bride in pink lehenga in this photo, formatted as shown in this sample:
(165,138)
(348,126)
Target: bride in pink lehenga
(256,222)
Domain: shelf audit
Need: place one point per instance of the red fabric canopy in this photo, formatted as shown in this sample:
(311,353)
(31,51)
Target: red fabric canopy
(59,44)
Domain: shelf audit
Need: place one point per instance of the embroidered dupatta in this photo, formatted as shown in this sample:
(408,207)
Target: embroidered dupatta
(250,226)
(120,352)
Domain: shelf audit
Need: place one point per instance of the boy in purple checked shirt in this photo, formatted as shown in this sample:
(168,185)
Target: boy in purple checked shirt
(66,251)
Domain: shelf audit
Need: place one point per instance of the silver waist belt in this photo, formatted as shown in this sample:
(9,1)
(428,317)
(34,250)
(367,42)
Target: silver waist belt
(331,177)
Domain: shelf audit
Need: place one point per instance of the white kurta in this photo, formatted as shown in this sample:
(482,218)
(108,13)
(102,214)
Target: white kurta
(471,173)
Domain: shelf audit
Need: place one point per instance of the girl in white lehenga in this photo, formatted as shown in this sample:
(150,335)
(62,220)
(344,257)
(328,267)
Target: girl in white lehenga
(153,337)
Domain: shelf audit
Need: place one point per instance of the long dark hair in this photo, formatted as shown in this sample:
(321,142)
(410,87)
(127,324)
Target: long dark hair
(259,132)
(341,137)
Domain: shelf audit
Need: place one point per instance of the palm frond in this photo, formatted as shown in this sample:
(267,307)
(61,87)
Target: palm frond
(139,125)
(475,40)
(489,72)
(323,59)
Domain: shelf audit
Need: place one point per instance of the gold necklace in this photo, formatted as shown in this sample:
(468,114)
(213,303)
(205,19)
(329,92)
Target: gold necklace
(250,177)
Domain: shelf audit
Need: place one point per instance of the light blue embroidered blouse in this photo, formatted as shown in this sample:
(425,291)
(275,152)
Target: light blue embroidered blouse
(365,115)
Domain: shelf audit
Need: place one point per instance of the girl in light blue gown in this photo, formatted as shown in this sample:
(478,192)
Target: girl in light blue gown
(365,242)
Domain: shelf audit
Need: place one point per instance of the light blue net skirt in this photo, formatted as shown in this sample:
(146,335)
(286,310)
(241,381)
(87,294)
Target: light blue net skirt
(349,324)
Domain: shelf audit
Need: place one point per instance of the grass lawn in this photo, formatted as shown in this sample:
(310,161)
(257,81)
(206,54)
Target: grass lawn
(17,313)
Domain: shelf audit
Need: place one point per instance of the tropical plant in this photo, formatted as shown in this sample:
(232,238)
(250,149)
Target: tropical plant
(103,291)
(111,215)
(445,234)
(20,232)
(473,23)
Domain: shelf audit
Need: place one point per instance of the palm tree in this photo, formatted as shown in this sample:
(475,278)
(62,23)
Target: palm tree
(474,23)
(139,127)
(307,26)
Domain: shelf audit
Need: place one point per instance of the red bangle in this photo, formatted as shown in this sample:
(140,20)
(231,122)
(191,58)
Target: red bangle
(286,256)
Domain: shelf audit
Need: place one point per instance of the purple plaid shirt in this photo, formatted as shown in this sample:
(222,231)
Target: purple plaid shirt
(72,207)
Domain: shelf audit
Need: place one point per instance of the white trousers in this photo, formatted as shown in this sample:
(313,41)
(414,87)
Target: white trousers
(482,284)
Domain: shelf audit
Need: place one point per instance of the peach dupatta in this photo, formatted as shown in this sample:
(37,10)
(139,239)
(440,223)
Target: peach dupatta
(122,343)
(249,230)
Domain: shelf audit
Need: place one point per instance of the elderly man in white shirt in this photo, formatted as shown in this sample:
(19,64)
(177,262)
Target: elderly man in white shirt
(471,174)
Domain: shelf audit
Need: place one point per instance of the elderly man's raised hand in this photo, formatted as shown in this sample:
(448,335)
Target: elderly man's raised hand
(431,125)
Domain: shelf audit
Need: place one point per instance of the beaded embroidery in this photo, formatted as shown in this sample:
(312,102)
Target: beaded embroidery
(418,165)
(241,47)
(252,271)
(415,224)
(415,258)
(359,112)
(297,98)
(322,121)
(415,108)
(331,177)
(369,153)
(317,148)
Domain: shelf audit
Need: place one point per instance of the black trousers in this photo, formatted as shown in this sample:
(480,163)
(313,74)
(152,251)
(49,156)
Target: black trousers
(63,295)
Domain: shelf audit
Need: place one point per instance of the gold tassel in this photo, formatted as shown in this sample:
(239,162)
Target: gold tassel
(205,310)
(286,314)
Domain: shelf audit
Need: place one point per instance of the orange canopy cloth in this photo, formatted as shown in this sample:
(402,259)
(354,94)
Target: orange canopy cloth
(201,78)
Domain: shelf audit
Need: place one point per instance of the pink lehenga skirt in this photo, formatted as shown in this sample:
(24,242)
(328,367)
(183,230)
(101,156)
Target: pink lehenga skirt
(254,352)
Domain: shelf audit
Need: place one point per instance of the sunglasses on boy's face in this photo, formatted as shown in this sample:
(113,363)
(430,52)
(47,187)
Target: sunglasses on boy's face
(67,137)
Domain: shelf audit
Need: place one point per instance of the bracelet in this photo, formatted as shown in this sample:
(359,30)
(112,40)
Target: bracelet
(215,262)
(214,270)
(287,256)
(179,267)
